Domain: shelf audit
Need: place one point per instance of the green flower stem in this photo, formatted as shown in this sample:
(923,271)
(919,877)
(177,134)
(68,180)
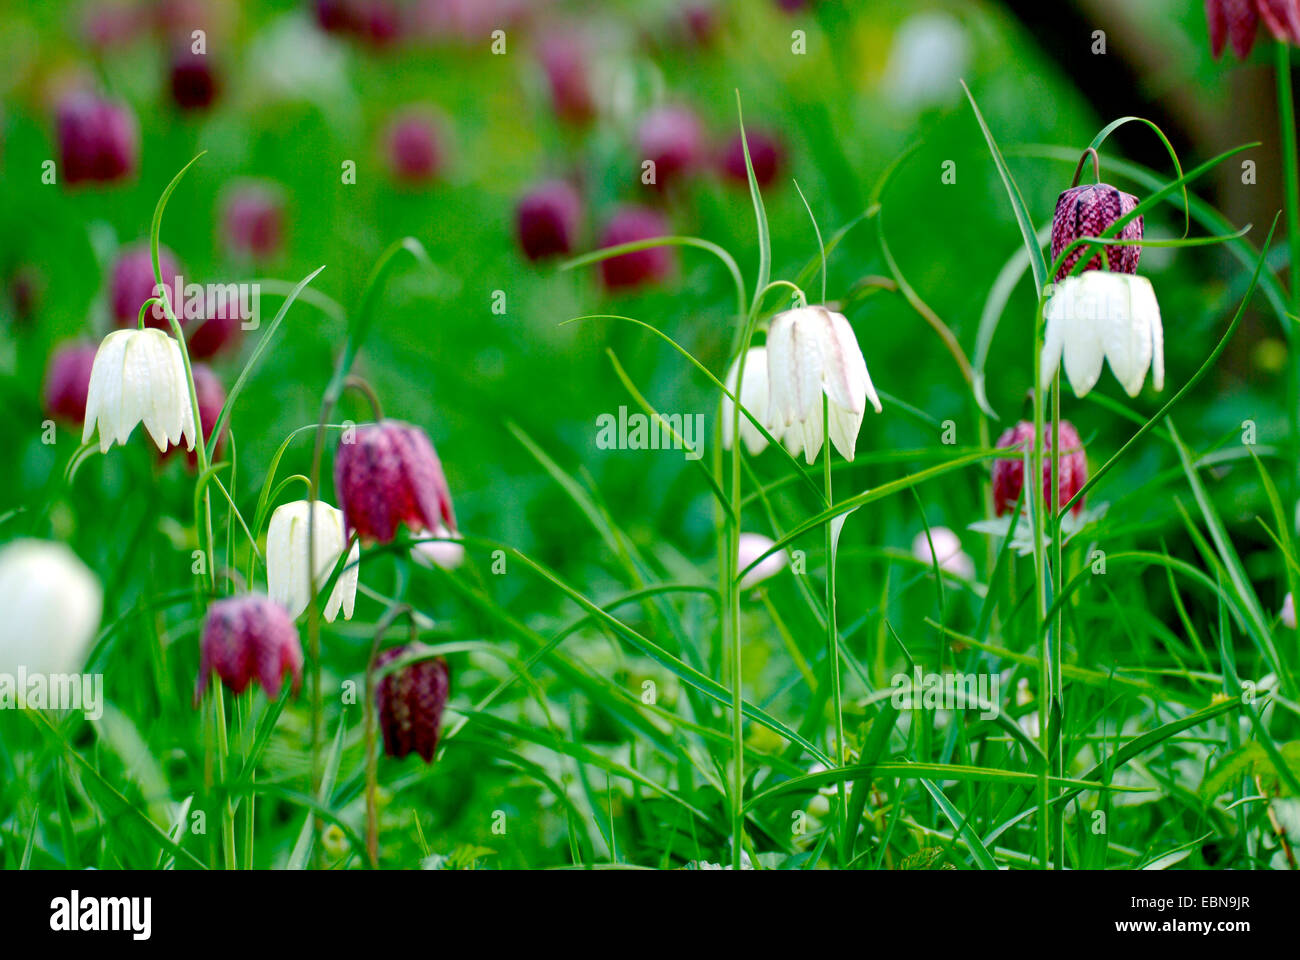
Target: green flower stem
(1034,491)
(223,753)
(832,639)
(1058,702)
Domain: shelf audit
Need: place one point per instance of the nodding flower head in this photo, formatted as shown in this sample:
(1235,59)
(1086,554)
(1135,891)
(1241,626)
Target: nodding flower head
(51,603)
(133,283)
(386,474)
(671,138)
(99,141)
(67,379)
(766,155)
(1009,474)
(246,638)
(410,701)
(417,150)
(563,57)
(1103,315)
(1086,211)
(193,79)
(252,221)
(640,267)
(813,351)
(1238,21)
(288,579)
(548,218)
(138,377)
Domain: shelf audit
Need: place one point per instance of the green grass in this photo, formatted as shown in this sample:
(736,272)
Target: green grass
(599,642)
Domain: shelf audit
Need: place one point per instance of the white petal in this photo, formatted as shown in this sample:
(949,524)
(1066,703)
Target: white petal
(1127,333)
(1053,340)
(104,388)
(844,428)
(844,373)
(780,372)
(1144,302)
(754,397)
(1082,344)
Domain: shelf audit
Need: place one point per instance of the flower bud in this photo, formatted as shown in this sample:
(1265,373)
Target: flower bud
(192,78)
(133,283)
(221,330)
(386,474)
(1086,211)
(751,546)
(99,140)
(947,551)
(671,138)
(416,147)
(765,154)
(447,553)
(1008,474)
(630,270)
(245,638)
(51,603)
(410,701)
(1287,613)
(563,57)
(548,218)
(252,221)
(67,379)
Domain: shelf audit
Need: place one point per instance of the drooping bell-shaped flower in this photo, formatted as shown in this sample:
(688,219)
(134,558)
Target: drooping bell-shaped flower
(51,603)
(99,140)
(547,219)
(410,701)
(751,546)
(245,638)
(766,155)
(192,78)
(1009,474)
(132,283)
(1086,211)
(67,379)
(416,144)
(640,267)
(138,377)
(1238,21)
(253,221)
(287,578)
(754,397)
(812,351)
(1103,315)
(386,474)
(673,140)
(562,54)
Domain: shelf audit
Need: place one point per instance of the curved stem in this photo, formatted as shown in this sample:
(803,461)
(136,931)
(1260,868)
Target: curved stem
(1096,166)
